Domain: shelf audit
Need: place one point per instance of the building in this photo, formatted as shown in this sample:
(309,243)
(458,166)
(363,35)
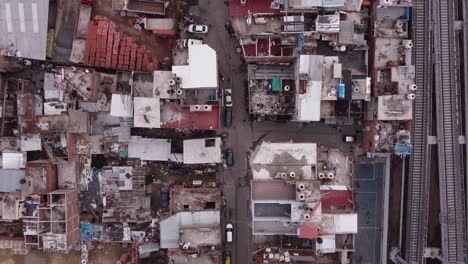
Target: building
(54,226)
(204,150)
(305,192)
(21,24)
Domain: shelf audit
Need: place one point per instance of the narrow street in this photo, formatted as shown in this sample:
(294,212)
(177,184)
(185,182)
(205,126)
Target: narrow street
(244,135)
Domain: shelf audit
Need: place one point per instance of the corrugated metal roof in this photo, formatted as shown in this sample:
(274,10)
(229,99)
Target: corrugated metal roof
(10,180)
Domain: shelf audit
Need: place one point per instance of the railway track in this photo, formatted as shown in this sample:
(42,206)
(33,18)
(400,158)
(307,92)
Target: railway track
(451,182)
(418,177)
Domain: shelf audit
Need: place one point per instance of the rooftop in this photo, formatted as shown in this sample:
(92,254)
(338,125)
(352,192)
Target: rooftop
(170,226)
(285,154)
(147,112)
(21,24)
(310,88)
(201,70)
(394,107)
(173,115)
(195,199)
(200,237)
(149,148)
(251,7)
(204,150)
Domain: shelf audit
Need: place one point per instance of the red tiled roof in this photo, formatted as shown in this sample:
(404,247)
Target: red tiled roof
(254,6)
(308,230)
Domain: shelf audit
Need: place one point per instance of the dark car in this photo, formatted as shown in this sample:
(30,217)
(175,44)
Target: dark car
(229,157)
(165,197)
(227,117)
(177,171)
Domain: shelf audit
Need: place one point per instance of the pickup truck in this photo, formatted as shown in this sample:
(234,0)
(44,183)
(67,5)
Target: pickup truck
(152,7)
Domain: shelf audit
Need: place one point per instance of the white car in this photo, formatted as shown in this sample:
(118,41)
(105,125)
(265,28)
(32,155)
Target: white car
(229,229)
(228,97)
(198,28)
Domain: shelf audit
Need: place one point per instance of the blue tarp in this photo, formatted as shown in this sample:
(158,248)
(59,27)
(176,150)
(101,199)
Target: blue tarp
(341,91)
(403,149)
(89,231)
(300,43)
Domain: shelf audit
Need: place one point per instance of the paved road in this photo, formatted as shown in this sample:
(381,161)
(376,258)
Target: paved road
(243,135)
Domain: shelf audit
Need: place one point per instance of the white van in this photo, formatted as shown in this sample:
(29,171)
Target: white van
(229,229)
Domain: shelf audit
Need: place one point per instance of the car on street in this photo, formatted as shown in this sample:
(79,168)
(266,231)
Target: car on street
(228,97)
(228,117)
(229,157)
(198,29)
(229,230)
(189,42)
(165,197)
(349,139)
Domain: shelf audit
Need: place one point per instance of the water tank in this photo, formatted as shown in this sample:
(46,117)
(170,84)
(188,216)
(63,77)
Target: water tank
(301,186)
(398,24)
(407,44)
(321,175)
(207,107)
(330,175)
(386,2)
(185,247)
(413,87)
(283,175)
(197,107)
(292,174)
(179,92)
(411,96)
(342,48)
(287,88)
(178,79)
(302,197)
(172,82)
(306,217)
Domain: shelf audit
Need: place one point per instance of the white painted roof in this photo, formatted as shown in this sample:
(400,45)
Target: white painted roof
(285,154)
(121,105)
(31,142)
(202,68)
(170,226)
(14,160)
(147,112)
(196,151)
(346,223)
(308,103)
(149,148)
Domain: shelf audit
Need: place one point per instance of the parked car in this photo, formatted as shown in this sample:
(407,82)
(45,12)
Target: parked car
(165,197)
(229,230)
(198,29)
(229,157)
(189,42)
(228,117)
(349,139)
(177,171)
(228,97)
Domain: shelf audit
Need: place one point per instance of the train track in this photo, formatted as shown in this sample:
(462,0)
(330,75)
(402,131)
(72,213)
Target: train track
(451,182)
(418,177)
